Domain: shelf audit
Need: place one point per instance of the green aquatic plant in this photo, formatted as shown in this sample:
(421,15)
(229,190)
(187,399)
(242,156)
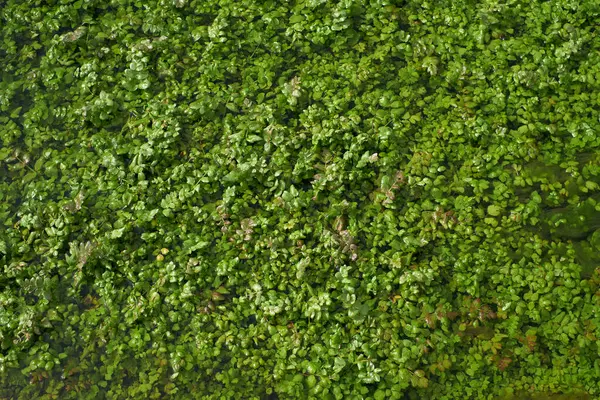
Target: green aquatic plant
(312,199)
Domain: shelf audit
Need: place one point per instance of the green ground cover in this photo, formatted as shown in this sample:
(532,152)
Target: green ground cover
(354,199)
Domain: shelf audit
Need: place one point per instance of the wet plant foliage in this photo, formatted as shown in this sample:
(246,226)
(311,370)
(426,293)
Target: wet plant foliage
(349,199)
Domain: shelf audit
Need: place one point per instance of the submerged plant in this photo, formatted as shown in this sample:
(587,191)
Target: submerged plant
(313,199)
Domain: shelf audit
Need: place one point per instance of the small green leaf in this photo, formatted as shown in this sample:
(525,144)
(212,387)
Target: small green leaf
(29,177)
(591,185)
(4,153)
(493,210)
(254,138)
(38,164)
(222,290)
(491,221)
(296,19)
(117,233)
(379,395)
(385,183)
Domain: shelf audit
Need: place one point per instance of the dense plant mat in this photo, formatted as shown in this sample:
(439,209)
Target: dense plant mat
(356,199)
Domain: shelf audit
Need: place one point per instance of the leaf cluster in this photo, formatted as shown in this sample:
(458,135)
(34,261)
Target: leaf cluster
(310,199)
